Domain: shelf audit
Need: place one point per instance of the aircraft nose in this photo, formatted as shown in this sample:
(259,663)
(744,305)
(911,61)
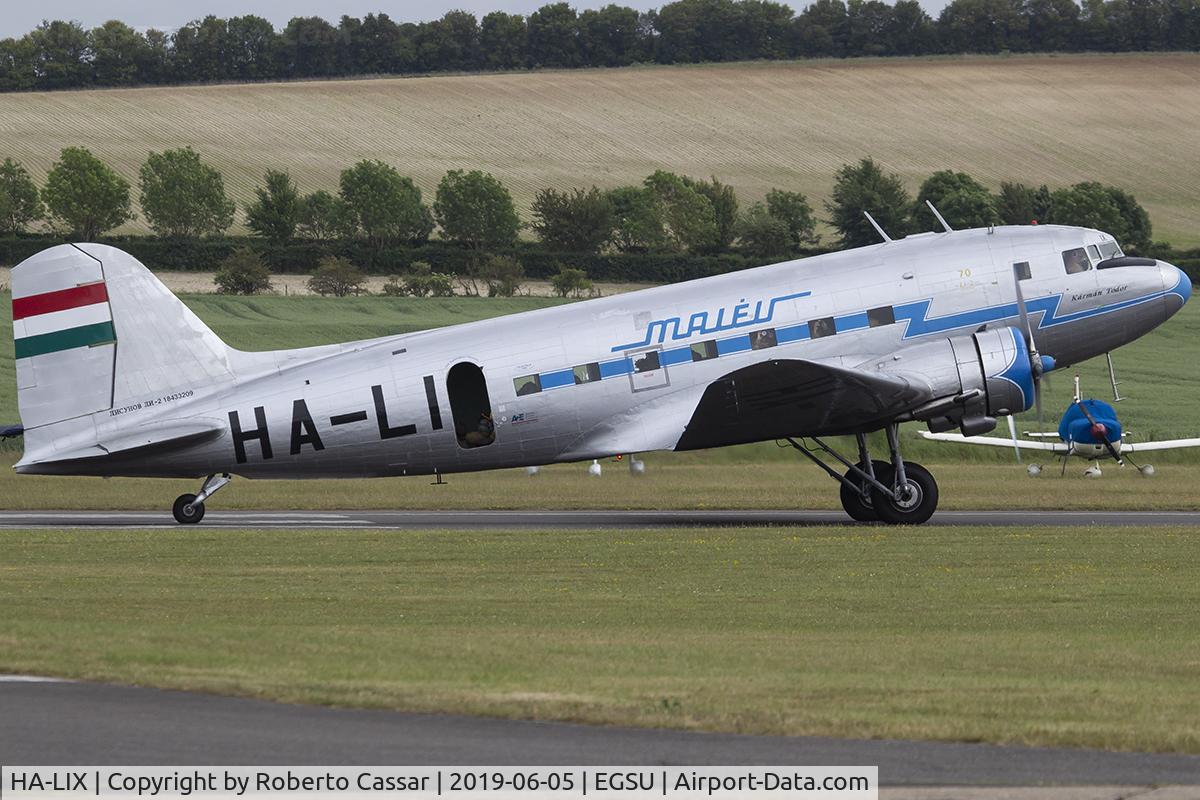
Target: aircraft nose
(1177,284)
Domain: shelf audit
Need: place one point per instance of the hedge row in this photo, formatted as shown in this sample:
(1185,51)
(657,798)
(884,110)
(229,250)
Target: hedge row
(206,255)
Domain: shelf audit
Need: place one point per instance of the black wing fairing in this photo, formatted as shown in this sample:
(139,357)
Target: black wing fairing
(776,399)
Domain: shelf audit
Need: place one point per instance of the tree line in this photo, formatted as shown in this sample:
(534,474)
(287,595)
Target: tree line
(183,198)
(62,54)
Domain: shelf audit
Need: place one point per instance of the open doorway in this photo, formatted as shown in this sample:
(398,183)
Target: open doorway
(469,403)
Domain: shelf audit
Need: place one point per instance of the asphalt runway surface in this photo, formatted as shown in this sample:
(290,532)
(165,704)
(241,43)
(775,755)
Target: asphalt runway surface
(58,722)
(484,520)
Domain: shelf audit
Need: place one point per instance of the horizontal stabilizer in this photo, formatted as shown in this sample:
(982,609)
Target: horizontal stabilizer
(153,437)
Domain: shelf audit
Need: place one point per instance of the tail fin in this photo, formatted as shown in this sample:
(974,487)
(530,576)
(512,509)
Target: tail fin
(95,330)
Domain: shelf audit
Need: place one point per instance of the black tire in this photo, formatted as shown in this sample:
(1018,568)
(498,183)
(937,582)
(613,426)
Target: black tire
(186,512)
(860,509)
(920,504)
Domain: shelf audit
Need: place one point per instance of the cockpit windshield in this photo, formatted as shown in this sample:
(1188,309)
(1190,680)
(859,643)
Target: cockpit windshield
(1110,250)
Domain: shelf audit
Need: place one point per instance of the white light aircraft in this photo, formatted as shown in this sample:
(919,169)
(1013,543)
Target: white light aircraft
(117,377)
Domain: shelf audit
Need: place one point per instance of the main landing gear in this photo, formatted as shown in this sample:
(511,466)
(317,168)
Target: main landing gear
(189,508)
(898,492)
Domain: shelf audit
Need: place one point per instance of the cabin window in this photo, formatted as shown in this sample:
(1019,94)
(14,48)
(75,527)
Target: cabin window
(703,351)
(1076,260)
(469,401)
(761,340)
(1022,270)
(586,373)
(646,362)
(820,328)
(878,317)
(527,384)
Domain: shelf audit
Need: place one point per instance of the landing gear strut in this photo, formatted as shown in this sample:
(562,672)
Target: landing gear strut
(189,508)
(898,492)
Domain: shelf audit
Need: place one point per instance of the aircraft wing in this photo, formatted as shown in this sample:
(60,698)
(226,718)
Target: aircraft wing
(1166,444)
(781,398)
(1051,447)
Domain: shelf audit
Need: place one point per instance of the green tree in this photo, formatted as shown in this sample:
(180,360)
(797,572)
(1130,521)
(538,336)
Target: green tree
(762,234)
(963,201)
(688,216)
(62,53)
(570,282)
(338,277)
(385,205)
(275,211)
(117,49)
(793,210)
(724,204)
(84,196)
(578,221)
(243,272)
(183,196)
(638,216)
(323,217)
(1018,204)
(17,70)
(501,274)
(503,40)
(20,203)
(473,208)
(1105,208)
(865,187)
(554,36)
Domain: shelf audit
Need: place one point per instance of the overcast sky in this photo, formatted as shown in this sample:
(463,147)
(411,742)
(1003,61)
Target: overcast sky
(20,17)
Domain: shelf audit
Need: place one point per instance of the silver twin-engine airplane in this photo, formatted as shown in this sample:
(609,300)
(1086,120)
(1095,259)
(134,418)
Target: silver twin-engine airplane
(117,377)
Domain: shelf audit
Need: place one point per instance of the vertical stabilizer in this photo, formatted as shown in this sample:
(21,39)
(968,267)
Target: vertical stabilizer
(94,330)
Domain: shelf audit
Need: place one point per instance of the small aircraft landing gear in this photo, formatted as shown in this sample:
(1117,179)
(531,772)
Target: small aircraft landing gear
(898,493)
(189,508)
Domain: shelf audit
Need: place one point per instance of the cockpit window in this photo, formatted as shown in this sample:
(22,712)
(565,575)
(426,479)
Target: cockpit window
(1076,260)
(1110,250)
(1093,252)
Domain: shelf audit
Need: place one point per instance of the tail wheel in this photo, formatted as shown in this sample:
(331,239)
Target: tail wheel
(187,511)
(861,507)
(916,501)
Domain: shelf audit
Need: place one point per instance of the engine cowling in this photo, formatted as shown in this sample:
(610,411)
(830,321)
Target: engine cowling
(975,378)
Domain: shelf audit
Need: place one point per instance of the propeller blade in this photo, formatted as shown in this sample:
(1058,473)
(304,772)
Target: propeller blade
(1023,314)
(1037,401)
(1012,428)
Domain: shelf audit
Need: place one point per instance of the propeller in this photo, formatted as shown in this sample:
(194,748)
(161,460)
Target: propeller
(1039,364)
(1100,432)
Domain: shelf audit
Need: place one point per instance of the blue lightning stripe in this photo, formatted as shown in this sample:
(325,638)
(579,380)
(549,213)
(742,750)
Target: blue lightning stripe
(914,316)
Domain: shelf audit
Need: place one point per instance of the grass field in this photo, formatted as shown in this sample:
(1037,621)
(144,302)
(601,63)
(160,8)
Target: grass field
(1081,637)
(1129,120)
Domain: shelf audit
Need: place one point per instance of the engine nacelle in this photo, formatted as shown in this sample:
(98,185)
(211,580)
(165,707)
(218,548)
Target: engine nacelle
(975,378)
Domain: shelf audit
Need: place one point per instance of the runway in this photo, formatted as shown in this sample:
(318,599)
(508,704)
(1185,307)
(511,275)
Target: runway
(574,520)
(85,723)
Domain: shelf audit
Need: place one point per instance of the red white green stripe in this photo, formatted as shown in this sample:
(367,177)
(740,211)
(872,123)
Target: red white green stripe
(61,320)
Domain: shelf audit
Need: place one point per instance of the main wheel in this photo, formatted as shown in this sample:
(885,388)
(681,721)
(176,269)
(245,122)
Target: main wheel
(918,499)
(860,508)
(186,511)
